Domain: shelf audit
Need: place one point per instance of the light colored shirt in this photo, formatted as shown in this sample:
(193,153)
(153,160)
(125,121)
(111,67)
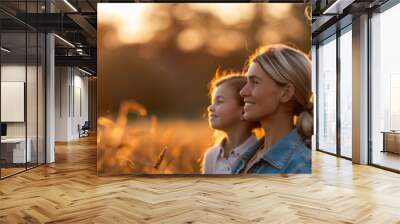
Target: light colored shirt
(214,161)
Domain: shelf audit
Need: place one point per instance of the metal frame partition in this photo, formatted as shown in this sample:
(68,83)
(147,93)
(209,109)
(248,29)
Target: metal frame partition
(341,32)
(36,34)
(336,30)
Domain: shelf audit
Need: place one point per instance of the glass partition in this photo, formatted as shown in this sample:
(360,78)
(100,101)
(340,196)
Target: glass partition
(23,91)
(15,151)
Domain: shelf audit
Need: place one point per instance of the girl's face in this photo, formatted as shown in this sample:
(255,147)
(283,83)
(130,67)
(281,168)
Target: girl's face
(261,94)
(224,111)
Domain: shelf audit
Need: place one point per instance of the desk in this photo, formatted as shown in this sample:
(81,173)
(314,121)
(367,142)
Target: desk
(391,141)
(15,148)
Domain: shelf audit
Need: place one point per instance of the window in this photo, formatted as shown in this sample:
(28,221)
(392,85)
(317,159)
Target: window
(327,95)
(385,89)
(346,93)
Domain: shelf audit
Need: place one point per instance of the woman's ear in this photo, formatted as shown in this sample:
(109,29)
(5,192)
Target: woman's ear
(287,93)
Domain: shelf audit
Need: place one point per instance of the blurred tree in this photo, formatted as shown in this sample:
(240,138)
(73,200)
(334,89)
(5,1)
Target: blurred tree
(167,64)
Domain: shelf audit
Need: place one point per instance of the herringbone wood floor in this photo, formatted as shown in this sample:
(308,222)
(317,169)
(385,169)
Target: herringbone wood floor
(70,191)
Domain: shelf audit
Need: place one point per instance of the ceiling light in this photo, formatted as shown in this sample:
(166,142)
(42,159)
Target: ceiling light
(337,7)
(84,71)
(5,50)
(64,40)
(70,5)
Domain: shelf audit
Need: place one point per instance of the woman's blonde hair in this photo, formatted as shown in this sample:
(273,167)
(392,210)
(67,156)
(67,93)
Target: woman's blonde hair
(285,65)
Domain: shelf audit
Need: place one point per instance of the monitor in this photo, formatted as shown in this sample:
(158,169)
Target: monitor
(3,129)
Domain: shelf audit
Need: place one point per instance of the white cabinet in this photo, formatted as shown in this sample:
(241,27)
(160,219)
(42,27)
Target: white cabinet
(18,149)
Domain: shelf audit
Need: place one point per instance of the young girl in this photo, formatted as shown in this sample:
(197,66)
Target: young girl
(225,114)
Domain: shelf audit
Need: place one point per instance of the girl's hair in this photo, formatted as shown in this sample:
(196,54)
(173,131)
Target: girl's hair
(233,79)
(285,65)
(237,81)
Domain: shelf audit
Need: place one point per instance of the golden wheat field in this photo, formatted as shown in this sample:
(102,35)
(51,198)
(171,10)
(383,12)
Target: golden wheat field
(148,145)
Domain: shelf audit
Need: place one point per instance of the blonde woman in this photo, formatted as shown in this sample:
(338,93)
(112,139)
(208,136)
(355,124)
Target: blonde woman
(277,94)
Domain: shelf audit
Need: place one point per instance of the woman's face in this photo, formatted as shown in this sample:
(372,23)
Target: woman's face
(224,111)
(261,94)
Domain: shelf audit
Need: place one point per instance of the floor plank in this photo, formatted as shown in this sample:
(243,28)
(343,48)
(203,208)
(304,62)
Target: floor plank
(69,191)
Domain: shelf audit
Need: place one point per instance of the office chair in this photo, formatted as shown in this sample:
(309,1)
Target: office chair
(84,130)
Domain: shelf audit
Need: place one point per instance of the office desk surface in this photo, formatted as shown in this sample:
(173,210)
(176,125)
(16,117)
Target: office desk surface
(13,140)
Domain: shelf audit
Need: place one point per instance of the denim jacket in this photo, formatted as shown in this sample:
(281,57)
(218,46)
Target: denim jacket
(289,155)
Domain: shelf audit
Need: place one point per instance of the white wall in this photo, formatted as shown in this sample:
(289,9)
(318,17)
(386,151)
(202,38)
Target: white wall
(33,126)
(71,94)
(62,80)
(16,73)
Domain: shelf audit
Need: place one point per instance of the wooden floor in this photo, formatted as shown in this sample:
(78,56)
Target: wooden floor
(70,191)
(387,159)
(10,171)
(5,172)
